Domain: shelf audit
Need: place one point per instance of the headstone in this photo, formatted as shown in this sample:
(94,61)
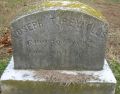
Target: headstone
(56,45)
(66,36)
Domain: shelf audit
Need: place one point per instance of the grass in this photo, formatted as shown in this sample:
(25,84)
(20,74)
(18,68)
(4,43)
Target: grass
(107,1)
(116,70)
(116,1)
(3,64)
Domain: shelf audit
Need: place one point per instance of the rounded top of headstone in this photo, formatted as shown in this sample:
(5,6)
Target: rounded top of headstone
(59,35)
(62,5)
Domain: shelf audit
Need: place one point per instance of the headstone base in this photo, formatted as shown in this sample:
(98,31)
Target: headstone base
(57,81)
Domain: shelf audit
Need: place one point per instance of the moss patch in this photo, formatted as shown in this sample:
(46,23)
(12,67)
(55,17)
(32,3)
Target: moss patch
(29,87)
(66,5)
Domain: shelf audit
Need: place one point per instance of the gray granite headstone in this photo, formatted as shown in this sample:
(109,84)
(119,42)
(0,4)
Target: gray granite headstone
(59,36)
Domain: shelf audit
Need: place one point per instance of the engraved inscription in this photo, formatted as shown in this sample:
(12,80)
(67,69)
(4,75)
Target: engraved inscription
(29,27)
(59,40)
(85,29)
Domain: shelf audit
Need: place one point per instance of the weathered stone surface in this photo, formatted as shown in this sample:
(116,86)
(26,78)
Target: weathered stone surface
(59,35)
(57,81)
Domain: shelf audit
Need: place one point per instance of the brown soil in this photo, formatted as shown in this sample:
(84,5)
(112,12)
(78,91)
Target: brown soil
(112,14)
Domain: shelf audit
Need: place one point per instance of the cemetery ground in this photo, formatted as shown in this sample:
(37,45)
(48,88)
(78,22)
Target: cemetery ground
(111,10)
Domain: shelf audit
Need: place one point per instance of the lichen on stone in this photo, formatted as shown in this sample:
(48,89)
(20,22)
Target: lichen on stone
(31,87)
(75,5)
